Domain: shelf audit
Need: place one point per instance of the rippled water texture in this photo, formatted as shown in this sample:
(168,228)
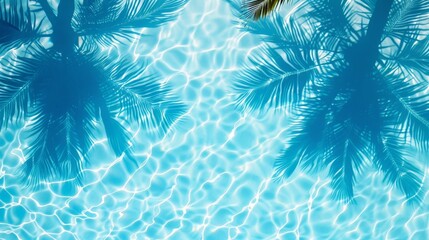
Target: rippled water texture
(209,178)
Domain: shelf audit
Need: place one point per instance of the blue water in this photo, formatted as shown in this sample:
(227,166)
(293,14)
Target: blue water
(210,177)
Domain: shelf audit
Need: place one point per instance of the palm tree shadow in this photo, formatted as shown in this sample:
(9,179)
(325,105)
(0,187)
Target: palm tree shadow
(68,88)
(354,76)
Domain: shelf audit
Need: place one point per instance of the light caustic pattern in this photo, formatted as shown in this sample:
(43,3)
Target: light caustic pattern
(209,178)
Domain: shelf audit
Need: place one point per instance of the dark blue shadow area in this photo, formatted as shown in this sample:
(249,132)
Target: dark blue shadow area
(354,74)
(67,87)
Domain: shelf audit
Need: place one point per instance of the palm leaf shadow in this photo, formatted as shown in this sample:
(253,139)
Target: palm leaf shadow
(69,89)
(353,75)
(17,25)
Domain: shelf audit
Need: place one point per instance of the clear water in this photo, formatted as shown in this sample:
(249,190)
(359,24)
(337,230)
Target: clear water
(209,178)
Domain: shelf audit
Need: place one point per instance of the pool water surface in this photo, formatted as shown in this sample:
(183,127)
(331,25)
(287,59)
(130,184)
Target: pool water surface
(210,176)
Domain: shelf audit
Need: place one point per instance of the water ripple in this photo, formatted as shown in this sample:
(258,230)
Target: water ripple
(209,178)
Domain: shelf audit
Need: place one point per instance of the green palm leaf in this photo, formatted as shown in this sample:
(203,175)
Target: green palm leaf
(261,8)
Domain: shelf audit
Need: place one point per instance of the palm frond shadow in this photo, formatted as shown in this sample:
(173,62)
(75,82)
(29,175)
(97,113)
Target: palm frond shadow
(353,74)
(111,21)
(68,89)
(17,25)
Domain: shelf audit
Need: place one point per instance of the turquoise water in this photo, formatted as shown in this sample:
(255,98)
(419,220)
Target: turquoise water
(210,177)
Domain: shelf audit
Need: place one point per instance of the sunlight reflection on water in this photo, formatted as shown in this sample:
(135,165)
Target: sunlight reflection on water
(208,178)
